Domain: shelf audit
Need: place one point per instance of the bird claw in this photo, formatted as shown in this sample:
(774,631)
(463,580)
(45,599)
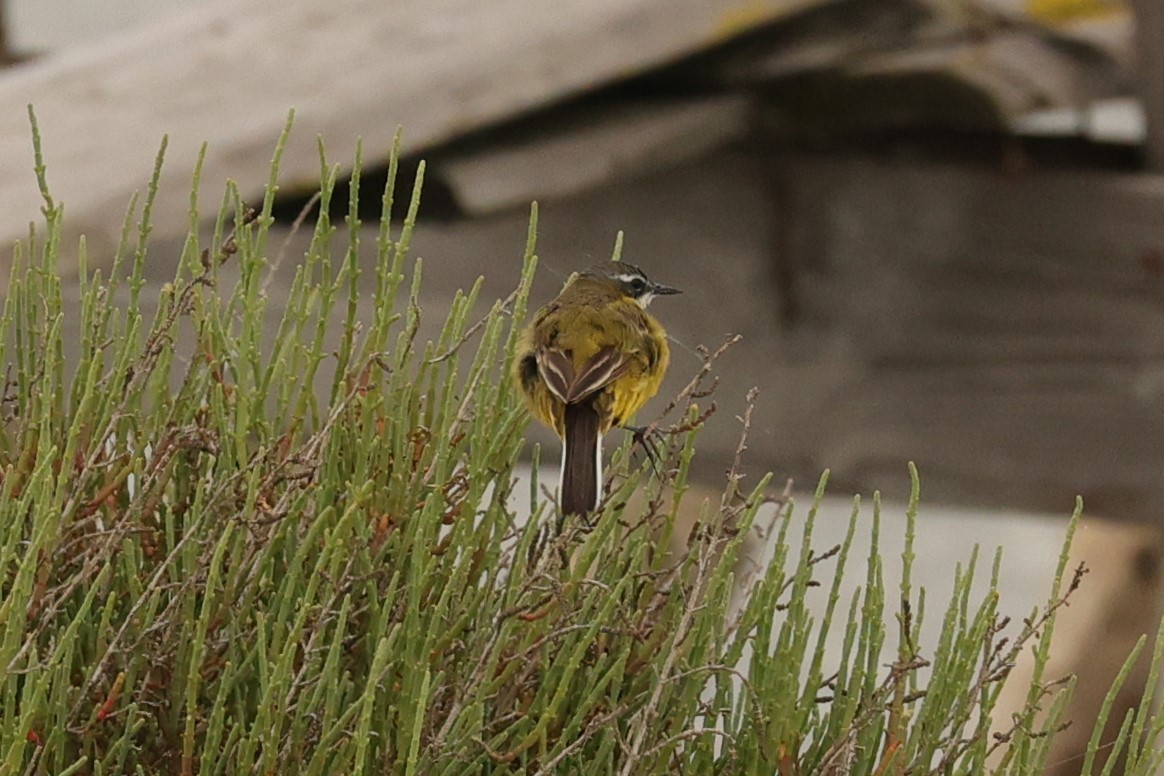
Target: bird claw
(649,438)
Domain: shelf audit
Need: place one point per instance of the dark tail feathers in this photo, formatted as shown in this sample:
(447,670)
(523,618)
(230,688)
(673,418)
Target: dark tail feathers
(581,460)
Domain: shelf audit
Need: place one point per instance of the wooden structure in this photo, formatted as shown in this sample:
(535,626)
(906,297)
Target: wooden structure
(226,73)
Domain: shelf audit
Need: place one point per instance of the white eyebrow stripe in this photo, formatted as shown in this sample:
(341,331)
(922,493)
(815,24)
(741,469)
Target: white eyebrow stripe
(629,278)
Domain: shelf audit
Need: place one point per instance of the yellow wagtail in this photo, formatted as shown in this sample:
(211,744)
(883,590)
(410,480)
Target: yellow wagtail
(587,362)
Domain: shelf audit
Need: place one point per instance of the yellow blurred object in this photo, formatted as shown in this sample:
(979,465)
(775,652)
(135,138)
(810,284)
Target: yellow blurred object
(1053,12)
(744,17)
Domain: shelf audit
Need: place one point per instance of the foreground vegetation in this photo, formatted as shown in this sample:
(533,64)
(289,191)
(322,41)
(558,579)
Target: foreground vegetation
(220,554)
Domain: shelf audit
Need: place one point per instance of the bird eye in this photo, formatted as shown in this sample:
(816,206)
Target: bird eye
(638,286)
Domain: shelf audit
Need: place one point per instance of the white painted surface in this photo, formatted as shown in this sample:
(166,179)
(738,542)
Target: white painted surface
(47,25)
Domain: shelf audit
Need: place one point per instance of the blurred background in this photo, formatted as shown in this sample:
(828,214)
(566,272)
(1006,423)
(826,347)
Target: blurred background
(938,224)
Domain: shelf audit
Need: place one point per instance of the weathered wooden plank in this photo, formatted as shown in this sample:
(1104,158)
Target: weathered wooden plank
(228,71)
(588,147)
(928,62)
(1104,23)
(1018,71)
(1005,331)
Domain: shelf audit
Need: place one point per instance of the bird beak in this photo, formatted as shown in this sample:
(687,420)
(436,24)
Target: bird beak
(662,290)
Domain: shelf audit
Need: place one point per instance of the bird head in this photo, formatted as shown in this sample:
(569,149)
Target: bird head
(628,281)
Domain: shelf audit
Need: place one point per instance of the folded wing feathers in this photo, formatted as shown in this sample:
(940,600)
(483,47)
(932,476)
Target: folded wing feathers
(557,369)
(601,370)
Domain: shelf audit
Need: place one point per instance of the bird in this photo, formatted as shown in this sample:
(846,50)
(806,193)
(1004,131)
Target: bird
(587,362)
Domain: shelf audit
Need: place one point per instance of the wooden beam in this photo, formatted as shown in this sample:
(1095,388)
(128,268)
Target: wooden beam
(567,154)
(227,72)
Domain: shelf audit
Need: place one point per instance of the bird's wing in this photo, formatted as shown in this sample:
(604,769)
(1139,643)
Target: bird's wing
(603,368)
(556,370)
(572,386)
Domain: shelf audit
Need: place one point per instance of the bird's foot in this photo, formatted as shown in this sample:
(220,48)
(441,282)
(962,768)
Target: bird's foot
(649,437)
